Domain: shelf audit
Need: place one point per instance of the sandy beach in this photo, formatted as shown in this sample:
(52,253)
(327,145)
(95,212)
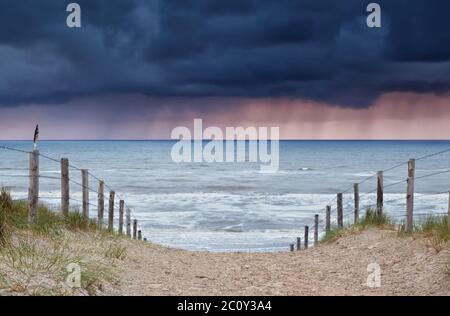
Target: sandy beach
(409,266)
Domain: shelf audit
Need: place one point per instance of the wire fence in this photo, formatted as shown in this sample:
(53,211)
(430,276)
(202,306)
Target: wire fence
(334,209)
(77,202)
(333,222)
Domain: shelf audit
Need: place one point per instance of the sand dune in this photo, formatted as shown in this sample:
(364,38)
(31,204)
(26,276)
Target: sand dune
(408,267)
(112,265)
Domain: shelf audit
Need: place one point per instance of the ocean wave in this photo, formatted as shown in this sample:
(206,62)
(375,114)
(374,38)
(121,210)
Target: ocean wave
(363,174)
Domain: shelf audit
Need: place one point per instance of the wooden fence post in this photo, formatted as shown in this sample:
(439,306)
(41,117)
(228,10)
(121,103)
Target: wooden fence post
(316,229)
(139,235)
(33,190)
(128,223)
(356,200)
(112,194)
(101,203)
(306,236)
(380,192)
(299,243)
(85,184)
(134,228)
(410,196)
(291,247)
(328,218)
(65,187)
(121,206)
(340,211)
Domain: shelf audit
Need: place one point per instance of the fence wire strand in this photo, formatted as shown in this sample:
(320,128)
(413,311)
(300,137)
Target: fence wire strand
(47,157)
(321,219)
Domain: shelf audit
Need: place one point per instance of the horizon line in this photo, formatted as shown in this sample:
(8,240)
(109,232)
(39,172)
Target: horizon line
(168,139)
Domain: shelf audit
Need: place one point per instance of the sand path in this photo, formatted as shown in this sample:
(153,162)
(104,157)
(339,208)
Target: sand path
(408,267)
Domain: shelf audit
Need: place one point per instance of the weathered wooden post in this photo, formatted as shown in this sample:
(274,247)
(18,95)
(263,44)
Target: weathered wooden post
(85,190)
(33,190)
(112,194)
(101,203)
(410,196)
(356,200)
(328,218)
(291,246)
(139,235)
(121,206)
(448,219)
(306,236)
(134,228)
(316,229)
(340,211)
(65,194)
(380,192)
(299,243)
(128,223)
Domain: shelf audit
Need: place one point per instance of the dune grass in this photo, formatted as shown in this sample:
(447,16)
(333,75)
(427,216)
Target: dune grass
(435,225)
(370,219)
(14,215)
(5,205)
(115,251)
(34,259)
(434,228)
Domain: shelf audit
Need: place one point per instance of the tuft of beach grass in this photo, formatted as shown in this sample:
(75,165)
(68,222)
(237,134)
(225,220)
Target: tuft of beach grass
(34,259)
(371,218)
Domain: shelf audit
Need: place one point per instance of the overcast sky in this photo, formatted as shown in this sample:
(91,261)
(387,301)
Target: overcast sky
(139,68)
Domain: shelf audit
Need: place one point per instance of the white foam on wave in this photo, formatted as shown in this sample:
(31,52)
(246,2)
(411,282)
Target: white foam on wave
(198,217)
(363,174)
(224,221)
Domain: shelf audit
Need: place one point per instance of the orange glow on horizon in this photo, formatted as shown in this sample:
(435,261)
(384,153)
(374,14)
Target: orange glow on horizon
(392,116)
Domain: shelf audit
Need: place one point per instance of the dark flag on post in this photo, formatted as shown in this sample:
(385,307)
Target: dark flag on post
(36,137)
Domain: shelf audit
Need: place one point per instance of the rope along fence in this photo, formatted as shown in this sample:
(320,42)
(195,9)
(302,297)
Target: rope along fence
(125,213)
(127,221)
(379,203)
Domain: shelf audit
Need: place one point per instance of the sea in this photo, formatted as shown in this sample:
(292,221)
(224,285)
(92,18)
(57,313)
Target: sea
(231,206)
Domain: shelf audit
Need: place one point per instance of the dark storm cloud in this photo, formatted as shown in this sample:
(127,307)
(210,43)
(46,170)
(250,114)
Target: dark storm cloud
(320,50)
